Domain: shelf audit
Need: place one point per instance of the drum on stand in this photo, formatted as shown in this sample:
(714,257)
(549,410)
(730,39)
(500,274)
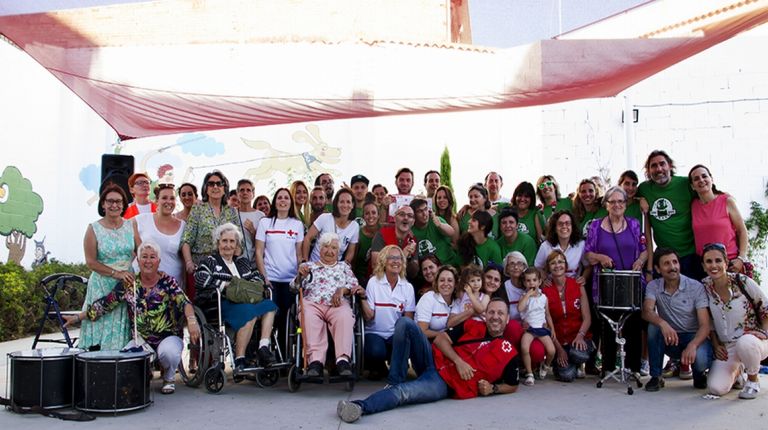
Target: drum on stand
(112,381)
(42,377)
(620,290)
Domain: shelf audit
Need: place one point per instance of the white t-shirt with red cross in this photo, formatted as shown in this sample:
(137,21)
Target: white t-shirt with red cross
(388,304)
(280,239)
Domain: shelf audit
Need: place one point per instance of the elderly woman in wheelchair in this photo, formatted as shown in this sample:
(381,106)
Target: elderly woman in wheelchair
(242,303)
(324,306)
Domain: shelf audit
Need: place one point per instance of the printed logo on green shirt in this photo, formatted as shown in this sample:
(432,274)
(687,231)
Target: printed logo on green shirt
(426,248)
(662,209)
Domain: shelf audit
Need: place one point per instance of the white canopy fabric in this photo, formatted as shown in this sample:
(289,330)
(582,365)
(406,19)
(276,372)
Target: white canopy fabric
(146,79)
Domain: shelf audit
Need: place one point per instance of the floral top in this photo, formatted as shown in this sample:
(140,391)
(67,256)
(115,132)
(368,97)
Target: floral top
(160,310)
(198,232)
(736,315)
(326,280)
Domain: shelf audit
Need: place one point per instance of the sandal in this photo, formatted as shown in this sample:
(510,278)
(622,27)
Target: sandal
(168,387)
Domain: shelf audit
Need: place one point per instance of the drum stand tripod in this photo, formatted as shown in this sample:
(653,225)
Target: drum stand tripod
(620,374)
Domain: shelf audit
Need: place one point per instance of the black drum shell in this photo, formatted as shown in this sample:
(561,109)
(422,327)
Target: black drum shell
(111,381)
(42,377)
(620,290)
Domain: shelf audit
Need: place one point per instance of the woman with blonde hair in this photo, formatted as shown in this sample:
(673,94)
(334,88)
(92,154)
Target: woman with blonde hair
(387,298)
(300,194)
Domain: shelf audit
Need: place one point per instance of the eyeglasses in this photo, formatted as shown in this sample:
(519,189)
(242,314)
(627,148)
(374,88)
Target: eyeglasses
(546,184)
(716,245)
(112,202)
(394,258)
(616,202)
(563,223)
(141,183)
(215,183)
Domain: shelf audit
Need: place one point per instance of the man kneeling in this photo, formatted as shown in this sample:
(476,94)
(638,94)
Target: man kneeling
(470,360)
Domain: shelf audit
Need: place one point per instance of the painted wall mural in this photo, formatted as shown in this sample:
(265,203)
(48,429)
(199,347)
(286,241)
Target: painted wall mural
(20,207)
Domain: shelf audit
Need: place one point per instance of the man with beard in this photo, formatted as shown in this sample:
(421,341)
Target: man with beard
(316,203)
(677,310)
(325,180)
(669,199)
(475,359)
(399,234)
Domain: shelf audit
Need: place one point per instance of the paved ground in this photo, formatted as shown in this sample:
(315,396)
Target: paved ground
(548,405)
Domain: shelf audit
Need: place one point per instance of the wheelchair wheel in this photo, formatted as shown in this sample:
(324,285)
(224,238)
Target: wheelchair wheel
(293,382)
(267,378)
(359,342)
(214,379)
(194,357)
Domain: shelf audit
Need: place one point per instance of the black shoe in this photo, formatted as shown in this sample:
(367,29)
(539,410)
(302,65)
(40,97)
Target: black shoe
(266,357)
(315,369)
(239,364)
(344,368)
(700,382)
(655,384)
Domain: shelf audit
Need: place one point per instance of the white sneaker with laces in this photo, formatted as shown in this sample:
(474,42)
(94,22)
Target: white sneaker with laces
(645,368)
(529,381)
(750,391)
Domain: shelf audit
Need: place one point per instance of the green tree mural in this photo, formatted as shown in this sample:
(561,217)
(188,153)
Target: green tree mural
(20,208)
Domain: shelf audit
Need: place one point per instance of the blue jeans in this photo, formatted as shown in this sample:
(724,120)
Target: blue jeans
(377,350)
(408,342)
(575,359)
(657,348)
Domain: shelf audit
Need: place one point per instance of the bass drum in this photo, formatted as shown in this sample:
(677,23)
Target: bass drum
(111,381)
(42,377)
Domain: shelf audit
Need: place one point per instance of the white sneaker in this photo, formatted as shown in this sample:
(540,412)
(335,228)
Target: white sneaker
(543,369)
(580,373)
(750,391)
(645,368)
(529,381)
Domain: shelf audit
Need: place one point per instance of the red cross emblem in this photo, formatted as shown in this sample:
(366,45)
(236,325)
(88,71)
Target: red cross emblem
(401,307)
(291,233)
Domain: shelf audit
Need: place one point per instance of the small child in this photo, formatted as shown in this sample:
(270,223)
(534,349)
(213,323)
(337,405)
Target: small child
(534,312)
(471,302)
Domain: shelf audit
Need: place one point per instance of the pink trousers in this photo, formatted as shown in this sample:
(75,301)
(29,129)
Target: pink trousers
(747,350)
(318,319)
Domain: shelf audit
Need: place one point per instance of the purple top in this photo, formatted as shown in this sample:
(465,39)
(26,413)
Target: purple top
(631,242)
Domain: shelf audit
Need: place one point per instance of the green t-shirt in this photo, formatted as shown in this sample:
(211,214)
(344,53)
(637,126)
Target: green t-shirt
(670,213)
(563,204)
(359,217)
(362,256)
(523,243)
(527,224)
(633,211)
(431,240)
(464,224)
(589,216)
(488,251)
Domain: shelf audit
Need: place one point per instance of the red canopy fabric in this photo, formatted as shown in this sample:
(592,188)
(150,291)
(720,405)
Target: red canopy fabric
(153,82)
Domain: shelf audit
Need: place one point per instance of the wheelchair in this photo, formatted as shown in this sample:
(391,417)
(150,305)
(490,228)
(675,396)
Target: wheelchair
(205,360)
(297,374)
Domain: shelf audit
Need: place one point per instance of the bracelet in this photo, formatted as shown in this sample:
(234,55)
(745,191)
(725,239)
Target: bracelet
(113,273)
(582,333)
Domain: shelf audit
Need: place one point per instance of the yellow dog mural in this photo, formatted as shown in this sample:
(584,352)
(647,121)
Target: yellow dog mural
(313,162)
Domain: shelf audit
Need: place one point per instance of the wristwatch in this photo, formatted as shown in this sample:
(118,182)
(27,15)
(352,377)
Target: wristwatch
(494,389)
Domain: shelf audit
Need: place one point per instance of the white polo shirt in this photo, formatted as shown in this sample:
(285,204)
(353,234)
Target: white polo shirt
(388,304)
(432,309)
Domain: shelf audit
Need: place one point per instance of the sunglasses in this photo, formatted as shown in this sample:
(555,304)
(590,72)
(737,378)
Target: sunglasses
(716,245)
(546,184)
(215,183)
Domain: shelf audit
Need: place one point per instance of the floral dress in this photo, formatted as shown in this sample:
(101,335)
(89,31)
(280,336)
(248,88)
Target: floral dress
(198,232)
(114,248)
(159,311)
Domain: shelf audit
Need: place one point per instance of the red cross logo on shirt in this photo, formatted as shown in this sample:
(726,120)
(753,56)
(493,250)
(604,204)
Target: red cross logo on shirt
(291,233)
(401,307)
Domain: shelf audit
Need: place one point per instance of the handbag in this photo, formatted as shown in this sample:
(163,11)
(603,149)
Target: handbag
(242,290)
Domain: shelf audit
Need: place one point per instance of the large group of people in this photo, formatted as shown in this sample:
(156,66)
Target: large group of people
(472,296)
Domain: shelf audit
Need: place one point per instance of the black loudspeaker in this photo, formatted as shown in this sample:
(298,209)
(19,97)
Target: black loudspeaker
(117,169)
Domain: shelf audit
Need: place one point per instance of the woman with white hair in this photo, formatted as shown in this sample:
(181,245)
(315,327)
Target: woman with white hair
(227,263)
(325,307)
(159,311)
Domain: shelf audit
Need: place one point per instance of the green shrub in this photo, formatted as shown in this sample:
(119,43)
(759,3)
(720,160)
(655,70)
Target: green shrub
(22,300)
